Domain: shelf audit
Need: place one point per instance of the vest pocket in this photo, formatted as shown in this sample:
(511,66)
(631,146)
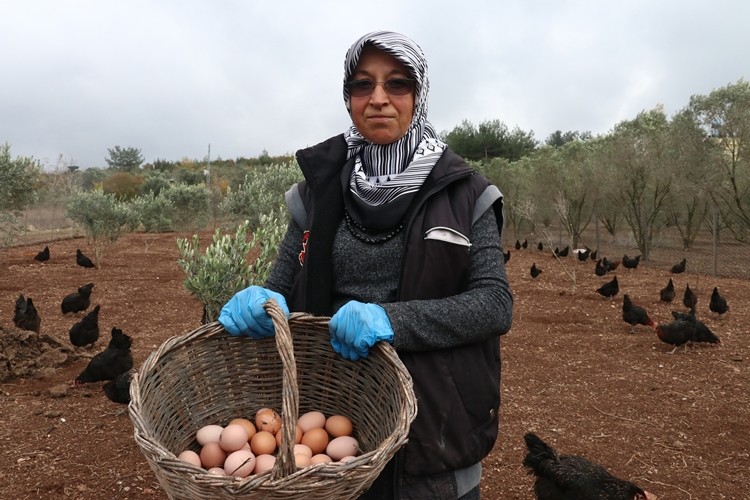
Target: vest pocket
(447,235)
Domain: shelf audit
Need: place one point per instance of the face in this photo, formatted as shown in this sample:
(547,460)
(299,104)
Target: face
(380,117)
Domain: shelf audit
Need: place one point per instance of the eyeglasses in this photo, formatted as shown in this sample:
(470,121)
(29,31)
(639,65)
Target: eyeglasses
(394,86)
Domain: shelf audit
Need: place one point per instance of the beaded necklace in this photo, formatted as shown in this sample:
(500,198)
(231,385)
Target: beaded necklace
(356,229)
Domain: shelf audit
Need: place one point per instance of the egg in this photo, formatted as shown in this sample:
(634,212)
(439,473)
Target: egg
(239,463)
(310,420)
(338,425)
(248,425)
(301,460)
(212,455)
(208,433)
(190,457)
(347,458)
(320,458)
(219,471)
(264,463)
(233,437)
(317,439)
(341,447)
(263,442)
(302,449)
(266,419)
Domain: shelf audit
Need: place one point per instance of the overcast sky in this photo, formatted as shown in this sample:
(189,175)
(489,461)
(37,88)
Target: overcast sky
(171,77)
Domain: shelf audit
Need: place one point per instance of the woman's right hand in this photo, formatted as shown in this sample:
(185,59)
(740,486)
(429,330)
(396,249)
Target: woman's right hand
(244,314)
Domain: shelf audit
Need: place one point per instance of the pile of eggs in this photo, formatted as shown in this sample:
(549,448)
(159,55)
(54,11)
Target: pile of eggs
(243,448)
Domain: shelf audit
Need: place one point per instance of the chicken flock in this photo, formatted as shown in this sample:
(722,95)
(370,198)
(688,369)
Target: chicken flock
(684,329)
(112,365)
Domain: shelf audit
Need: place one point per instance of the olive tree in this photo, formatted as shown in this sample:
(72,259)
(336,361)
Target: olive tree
(19,179)
(102,216)
(724,115)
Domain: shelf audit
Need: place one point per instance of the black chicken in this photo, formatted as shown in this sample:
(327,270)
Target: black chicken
(535,271)
(525,244)
(86,331)
(518,245)
(564,252)
(689,299)
(630,263)
(718,304)
(506,256)
(42,256)
(702,332)
(593,254)
(77,301)
(667,294)
(118,390)
(634,315)
(540,246)
(679,268)
(111,362)
(25,316)
(82,260)
(609,289)
(600,269)
(583,254)
(572,477)
(678,332)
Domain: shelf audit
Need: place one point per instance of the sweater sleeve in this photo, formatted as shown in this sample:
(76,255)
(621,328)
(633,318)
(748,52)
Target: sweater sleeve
(286,265)
(483,311)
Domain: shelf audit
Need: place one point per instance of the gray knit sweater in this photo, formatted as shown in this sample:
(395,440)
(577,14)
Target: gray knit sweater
(370,273)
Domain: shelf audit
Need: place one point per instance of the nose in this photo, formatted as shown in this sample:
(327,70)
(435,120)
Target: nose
(379,96)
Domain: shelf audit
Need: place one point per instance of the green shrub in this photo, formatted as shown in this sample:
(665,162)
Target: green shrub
(230,263)
(191,206)
(154,212)
(102,217)
(262,192)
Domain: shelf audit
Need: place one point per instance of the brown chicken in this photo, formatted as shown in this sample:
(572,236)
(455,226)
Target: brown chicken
(635,315)
(572,477)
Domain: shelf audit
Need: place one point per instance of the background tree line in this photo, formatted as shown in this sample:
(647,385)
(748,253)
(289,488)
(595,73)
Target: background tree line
(646,174)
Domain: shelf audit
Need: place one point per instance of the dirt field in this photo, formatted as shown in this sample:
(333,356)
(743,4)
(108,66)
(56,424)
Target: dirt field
(676,424)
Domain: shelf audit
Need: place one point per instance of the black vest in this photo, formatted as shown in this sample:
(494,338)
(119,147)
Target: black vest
(457,389)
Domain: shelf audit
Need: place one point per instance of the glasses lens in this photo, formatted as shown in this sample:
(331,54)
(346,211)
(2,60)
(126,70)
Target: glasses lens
(361,88)
(398,86)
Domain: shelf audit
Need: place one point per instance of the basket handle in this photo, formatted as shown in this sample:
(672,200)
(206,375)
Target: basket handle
(285,464)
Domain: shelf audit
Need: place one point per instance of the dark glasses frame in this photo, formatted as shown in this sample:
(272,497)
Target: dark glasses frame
(393,86)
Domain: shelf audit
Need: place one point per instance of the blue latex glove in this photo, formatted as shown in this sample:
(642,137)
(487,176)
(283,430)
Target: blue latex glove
(356,327)
(244,314)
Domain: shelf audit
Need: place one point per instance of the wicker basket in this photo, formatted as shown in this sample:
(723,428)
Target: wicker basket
(209,377)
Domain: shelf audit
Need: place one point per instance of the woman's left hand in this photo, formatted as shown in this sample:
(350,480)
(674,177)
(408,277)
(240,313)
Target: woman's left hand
(356,327)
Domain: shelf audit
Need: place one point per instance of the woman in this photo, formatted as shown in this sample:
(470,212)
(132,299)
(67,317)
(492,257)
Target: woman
(398,240)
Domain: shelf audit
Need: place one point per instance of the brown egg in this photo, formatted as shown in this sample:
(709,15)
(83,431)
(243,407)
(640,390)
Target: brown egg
(338,425)
(248,425)
(266,419)
(301,460)
(212,455)
(263,443)
(317,439)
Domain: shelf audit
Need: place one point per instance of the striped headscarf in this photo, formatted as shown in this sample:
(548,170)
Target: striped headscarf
(384,173)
